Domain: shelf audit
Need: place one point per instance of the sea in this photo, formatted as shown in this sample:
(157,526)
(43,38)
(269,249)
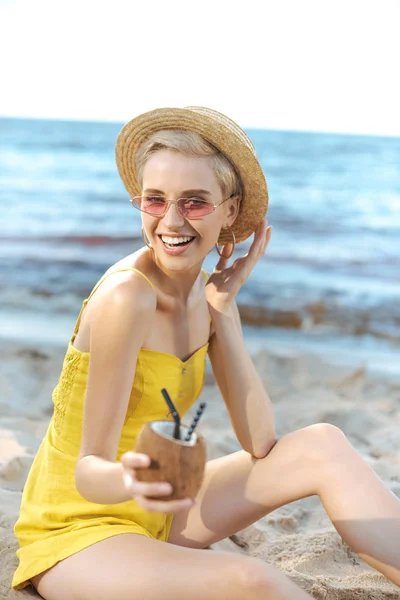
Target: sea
(328,283)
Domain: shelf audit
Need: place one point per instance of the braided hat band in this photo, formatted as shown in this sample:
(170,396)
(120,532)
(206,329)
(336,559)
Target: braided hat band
(220,131)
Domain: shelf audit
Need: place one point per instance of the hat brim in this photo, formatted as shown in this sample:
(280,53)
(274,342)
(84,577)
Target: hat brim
(219,131)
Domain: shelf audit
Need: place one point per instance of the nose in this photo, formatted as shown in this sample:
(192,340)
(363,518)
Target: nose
(173,217)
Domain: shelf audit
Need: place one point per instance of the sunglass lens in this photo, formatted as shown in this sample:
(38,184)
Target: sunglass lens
(137,203)
(193,208)
(152,205)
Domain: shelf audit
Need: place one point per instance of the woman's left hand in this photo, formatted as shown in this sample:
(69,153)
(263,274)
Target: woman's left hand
(225,282)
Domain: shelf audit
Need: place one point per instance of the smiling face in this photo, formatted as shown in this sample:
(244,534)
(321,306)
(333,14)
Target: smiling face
(175,175)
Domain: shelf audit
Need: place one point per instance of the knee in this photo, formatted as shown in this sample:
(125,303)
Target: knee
(324,441)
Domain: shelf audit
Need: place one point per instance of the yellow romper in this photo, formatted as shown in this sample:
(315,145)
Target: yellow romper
(55,521)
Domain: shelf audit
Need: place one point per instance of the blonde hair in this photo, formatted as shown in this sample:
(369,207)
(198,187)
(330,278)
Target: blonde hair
(192,144)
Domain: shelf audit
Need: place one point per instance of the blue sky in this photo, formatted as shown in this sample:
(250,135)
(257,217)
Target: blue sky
(316,65)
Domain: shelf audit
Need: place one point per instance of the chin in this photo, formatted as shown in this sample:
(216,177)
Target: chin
(178,263)
(171,264)
(183,261)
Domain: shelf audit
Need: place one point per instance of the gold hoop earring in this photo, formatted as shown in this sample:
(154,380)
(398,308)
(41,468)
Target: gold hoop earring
(145,238)
(233,245)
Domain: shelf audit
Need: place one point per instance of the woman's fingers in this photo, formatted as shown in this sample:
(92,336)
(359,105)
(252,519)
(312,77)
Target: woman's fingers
(172,506)
(256,250)
(140,491)
(257,247)
(224,259)
(267,237)
(144,488)
(135,460)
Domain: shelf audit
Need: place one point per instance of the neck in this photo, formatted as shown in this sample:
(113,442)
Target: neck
(179,284)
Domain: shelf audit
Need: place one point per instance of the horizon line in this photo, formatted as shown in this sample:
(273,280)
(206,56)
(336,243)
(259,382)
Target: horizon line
(246,127)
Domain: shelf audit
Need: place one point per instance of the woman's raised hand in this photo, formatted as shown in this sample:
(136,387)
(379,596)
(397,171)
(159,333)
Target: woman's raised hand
(225,282)
(140,489)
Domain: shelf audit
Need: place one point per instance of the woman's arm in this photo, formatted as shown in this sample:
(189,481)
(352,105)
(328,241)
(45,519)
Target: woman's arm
(119,323)
(248,403)
(249,406)
(101,481)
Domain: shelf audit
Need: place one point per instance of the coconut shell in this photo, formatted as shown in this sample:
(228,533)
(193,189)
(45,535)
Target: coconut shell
(180,464)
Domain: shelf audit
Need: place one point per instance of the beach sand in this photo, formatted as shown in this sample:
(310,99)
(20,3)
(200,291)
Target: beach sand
(305,388)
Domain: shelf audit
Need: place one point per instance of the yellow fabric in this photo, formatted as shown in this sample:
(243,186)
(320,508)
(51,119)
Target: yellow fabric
(55,521)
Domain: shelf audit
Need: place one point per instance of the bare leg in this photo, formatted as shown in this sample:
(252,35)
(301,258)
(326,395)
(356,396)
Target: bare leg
(131,566)
(364,512)
(239,489)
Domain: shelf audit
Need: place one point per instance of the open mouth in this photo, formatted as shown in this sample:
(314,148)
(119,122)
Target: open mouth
(176,242)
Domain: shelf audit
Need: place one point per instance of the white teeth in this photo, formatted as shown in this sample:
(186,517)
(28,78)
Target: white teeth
(175,240)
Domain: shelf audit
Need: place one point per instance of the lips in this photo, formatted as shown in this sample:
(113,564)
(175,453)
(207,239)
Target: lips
(174,245)
(174,240)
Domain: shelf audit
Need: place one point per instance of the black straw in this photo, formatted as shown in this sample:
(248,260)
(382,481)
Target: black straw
(174,413)
(199,412)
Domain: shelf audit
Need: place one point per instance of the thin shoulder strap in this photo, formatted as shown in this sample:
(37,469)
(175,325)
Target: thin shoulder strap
(78,322)
(120,271)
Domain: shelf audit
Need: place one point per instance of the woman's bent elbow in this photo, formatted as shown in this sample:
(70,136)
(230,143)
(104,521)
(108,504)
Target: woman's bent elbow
(265,450)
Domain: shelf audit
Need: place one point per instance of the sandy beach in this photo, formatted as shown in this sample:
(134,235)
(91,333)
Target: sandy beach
(305,388)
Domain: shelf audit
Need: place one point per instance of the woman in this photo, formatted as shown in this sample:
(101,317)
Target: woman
(86,528)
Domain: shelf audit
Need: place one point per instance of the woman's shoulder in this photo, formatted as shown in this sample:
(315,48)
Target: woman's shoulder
(136,260)
(122,285)
(127,277)
(123,269)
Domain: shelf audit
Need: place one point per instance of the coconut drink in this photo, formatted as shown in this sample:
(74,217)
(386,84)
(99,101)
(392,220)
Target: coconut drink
(181,463)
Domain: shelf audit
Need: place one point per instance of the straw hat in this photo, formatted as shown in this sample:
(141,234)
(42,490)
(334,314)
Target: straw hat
(220,131)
